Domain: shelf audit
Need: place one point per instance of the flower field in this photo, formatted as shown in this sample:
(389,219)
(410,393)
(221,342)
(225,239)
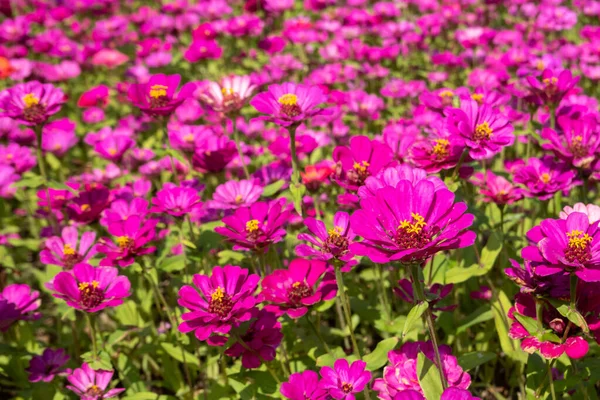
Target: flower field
(303,200)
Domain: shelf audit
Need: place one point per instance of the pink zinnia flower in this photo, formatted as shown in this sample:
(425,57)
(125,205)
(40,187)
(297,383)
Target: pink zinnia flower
(45,367)
(343,380)
(552,86)
(90,289)
(122,210)
(439,150)
(293,290)
(393,175)
(89,203)
(94,97)
(302,386)
(235,194)
(176,200)
(91,384)
(18,302)
(578,142)
(59,136)
(328,244)
(591,210)
(484,130)
(496,189)
(159,95)
(109,58)
(410,223)
(229,95)
(262,337)
(31,103)
(213,153)
(543,177)
(65,252)
(113,147)
(133,236)
(256,227)
(289,103)
(218,303)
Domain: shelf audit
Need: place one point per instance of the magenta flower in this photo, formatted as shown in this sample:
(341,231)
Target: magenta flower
(90,289)
(496,189)
(578,142)
(91,385)
(256,227)
(305,283)
(176,201)
(133,236)
(65,252)
(113,147)
(434,294)
(393,175)
(410,223)
(45,367)
(229,95)
(218,303)
(31,103)
(569,245)
(302,386)
(57,198)
(401,372)
(343,380)
(328,244)
(94,97)
(91,200)
(439,150)
(552,86)
(213,153)
(289,103)
(18,302)
(121,211)
(235,194)
(7,178)
(201,49)
(59,136)
(262,337)
(484,130)
(543,177)
(362,159)
(591,210)
(159,96)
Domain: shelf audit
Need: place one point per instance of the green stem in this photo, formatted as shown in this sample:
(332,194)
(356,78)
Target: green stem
(573,294)
(383,296)
(346,306)
(43,171)
(317,206)
(92,334)
(458,165)
(420,296)
(550,380)
(501,207)
(183,253)
(236,137)
(295,162)
(316,331)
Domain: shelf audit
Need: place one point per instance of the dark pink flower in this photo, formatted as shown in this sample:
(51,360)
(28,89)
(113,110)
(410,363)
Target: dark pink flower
(91,200)
(552,86)
(159,96)
(176,200)
(496,189)
(218,303)
(235,194)
(293,290)
(344,380)
(328,244)
(303,386)
(543,177)
(94,97)
(18,302)
(65,251)
(45,367)
(578,142)
(91,384)
(31,103)
(132,240)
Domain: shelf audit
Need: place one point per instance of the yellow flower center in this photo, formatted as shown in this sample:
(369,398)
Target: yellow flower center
(288,100)
(123,241)
(83,286)
(478,97)
(218,294)
(157,91)
(578,239)
(550,81)
(85,207)
(68,250)
(188,138)
(112,151)
(447,93)
(362,166)
(335,232)
(238,199)
(540,65)
(413,227)
(30,100)
(252,225)
(483,131)
(227,91)
(545,177)
(440,148)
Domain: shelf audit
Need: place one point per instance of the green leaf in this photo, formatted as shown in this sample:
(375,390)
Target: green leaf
(53,162)
(500,307)
(297,192)
(128,314)
(574,316)
(475,359)
(378,358)
(61,186)
(178,354)
(29,182)
(144,396)
(174,263)
(226,256)
(100,361)
(489,255)
(429,378)
(273,188)
(414,316)
(189,244)
(482,314)
(530,324)
(327,359)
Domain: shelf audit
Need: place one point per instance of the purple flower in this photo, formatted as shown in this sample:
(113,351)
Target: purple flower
(303,386)
(289,103)
(49,364)
(159,96)
(133,236)
(554,285)
(31,103)
(65,252)
(543,177)
(578,142)
(343,380)
(90,289)
(235,194)
(59,136)
(484,130)
(213,153)
(328,244)
(256,227)
(303,284)
(262,338)
(176,201)
(362,159)
(89,203)
(18,302)
(569,245)
(91,385)
(410,223)
(553,86)
(218,303)
(401,373)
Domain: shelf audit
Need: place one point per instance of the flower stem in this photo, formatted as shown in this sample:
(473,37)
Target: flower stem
(92,334)
(420,296)
(236,137)
(346,306)
(295,162)
(458,165)
(245,346)
(573,294)
(183,253)
(43,171)
(316,331)
(550,380)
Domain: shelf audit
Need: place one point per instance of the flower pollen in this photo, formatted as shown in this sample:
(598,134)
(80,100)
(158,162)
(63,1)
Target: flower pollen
(158,96)
(545,177)
(578,248)
(347,387)
(298,291)
(30,100)
(90,293)
(440,149)
(68,250)
(220,303)
(252,225)
(124,241)
(413,234)
(483,131)
(289,105)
